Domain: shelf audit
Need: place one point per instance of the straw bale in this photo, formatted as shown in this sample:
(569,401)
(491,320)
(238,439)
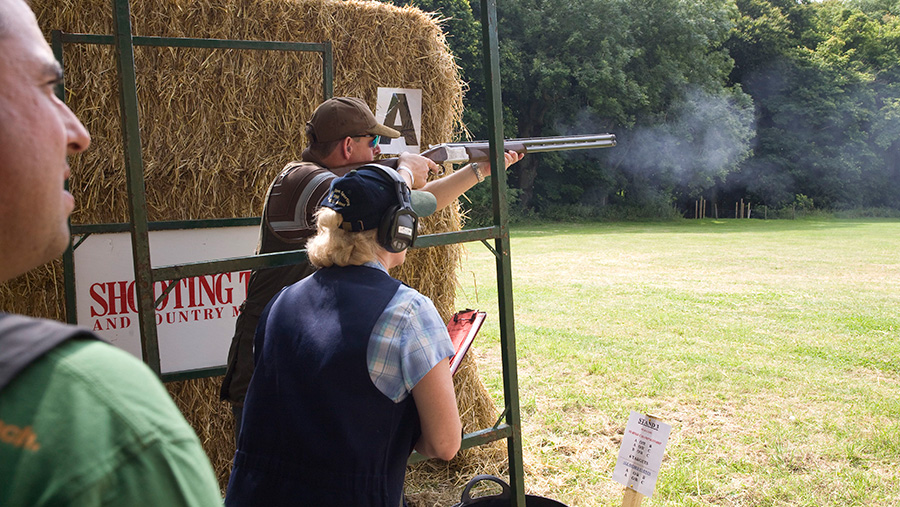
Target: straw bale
(217,125)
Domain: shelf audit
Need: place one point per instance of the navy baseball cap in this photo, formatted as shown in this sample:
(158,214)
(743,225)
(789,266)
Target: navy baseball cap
(363,196)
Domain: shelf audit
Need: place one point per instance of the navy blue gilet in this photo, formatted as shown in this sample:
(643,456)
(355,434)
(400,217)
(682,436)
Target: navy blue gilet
(316,431)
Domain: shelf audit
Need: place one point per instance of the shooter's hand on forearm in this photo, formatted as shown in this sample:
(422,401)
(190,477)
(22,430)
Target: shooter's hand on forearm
(448,188)
(511,158)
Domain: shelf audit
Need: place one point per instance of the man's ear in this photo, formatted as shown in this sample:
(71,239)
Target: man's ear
(346,147)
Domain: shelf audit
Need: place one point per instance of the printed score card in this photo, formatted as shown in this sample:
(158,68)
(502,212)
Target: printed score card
(641,454)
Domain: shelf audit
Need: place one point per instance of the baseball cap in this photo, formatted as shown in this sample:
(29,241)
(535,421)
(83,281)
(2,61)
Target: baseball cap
(363,196)
(340,117)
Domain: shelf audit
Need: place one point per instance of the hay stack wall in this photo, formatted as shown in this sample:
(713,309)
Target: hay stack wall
(217,125)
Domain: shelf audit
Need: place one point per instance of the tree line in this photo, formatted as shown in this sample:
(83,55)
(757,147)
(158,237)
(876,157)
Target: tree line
(777,102)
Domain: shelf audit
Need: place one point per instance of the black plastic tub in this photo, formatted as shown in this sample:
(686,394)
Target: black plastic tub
(503,499)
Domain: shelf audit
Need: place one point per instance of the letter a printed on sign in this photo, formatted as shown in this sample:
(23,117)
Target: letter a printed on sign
(400,109)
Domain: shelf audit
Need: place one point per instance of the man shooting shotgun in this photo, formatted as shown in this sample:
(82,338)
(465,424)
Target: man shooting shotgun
(344,135)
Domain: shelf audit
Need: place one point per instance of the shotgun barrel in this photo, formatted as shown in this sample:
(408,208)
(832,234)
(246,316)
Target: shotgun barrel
(479,151)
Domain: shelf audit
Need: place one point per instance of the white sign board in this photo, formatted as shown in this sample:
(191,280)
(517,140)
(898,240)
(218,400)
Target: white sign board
(195,321)
(642,452)
(401,110)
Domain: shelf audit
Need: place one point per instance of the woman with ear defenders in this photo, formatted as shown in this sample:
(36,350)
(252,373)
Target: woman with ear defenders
(352,368)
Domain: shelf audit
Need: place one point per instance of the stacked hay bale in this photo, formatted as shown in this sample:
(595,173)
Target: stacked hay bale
(217,125)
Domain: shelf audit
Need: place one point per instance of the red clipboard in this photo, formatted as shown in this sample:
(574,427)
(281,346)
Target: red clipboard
(463,327)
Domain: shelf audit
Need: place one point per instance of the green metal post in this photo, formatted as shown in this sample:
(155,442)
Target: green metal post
(68,255)
(134,165)
(327,72)
(490,49)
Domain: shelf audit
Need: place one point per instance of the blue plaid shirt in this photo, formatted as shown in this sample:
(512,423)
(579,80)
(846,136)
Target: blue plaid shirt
(408,340)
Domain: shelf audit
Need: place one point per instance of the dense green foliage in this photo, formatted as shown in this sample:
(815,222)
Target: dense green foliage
(769,101)
(823,77)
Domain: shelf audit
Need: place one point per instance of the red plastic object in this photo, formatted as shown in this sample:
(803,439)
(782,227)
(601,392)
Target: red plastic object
(463,327)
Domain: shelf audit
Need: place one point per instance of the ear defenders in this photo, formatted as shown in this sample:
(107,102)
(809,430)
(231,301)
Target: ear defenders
(399,226)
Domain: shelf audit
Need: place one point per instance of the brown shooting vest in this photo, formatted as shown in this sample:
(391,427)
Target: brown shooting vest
(287,224)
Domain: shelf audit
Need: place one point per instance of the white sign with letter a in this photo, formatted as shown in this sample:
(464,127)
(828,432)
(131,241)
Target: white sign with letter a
(642,452)
(401,110)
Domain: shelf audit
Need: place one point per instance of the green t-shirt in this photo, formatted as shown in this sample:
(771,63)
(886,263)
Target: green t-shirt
(89,424)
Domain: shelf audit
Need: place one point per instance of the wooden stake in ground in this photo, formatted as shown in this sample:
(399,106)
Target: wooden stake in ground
(632,498)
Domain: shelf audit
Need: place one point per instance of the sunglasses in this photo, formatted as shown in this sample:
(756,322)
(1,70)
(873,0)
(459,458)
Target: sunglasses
(374,142)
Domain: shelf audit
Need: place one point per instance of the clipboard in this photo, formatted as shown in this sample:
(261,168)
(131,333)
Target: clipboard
(463,327)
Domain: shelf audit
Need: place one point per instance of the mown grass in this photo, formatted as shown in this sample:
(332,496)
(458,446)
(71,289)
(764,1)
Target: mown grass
(771,347)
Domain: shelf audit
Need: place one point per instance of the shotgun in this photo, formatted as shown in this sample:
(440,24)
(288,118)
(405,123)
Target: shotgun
(479,151)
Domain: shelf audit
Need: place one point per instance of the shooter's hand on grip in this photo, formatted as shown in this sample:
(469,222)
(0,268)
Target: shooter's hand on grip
(415,167)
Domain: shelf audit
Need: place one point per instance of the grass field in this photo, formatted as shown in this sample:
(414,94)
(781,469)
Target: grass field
(771,347)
